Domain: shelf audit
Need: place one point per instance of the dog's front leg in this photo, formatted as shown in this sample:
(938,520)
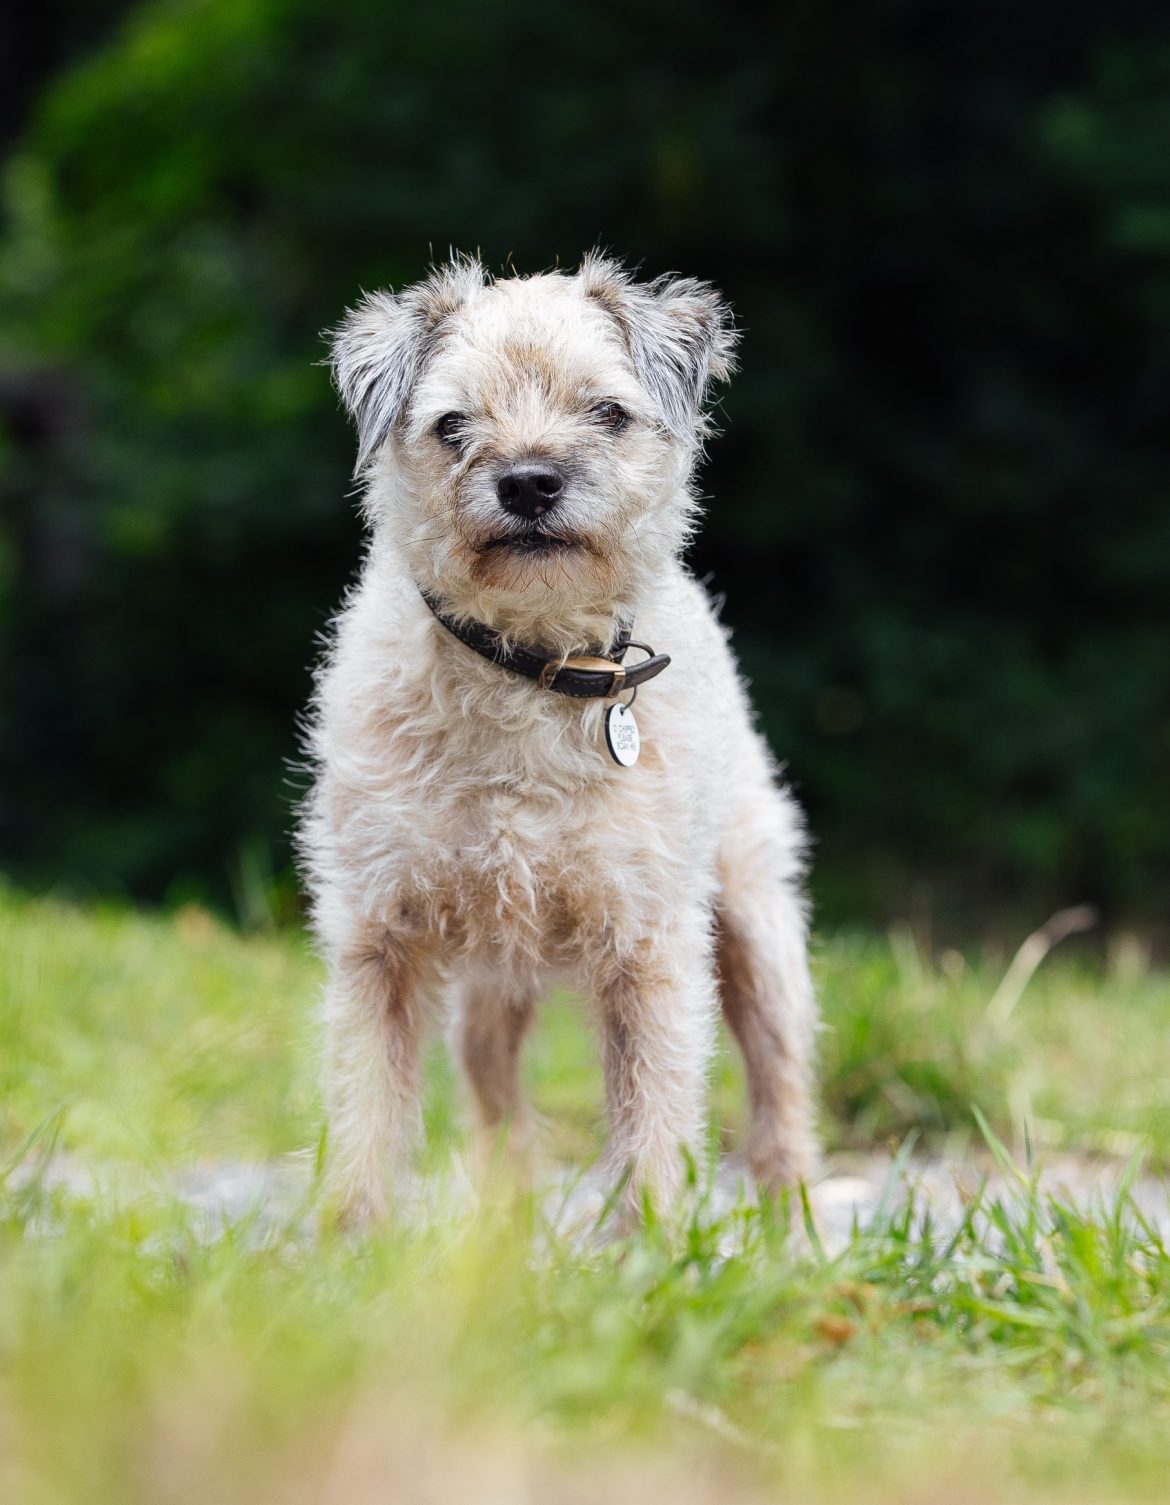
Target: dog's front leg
(374,1009)
(658,1008)
(769,1006)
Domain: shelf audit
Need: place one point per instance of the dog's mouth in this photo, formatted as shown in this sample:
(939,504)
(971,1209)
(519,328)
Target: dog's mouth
(535,541)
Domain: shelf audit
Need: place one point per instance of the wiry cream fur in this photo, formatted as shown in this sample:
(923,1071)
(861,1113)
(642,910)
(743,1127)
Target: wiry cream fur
(468,838)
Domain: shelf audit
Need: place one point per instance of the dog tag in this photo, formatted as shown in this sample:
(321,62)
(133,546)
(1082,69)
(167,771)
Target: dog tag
(622,736)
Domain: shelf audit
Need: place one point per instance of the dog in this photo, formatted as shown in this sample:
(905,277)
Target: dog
(490,816)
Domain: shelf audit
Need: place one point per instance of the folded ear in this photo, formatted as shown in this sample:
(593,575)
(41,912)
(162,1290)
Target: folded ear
(679,332)
(379,348)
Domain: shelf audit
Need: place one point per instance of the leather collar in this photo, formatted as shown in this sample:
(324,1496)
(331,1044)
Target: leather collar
(583,676)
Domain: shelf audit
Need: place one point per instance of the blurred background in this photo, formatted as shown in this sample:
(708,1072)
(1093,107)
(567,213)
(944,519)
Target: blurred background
(940,506)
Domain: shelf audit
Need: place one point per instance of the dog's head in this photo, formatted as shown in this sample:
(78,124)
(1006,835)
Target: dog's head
(529,442)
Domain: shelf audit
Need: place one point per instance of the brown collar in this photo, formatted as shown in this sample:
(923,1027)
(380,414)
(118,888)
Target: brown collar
(584,676)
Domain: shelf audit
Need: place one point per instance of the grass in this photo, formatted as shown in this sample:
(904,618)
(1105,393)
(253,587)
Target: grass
(1024,1355)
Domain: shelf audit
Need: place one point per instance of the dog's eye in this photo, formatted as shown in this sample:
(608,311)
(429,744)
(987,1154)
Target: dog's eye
(612,415)
(450,428)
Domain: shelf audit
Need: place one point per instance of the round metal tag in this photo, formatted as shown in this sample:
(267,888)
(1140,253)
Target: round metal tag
(622,736)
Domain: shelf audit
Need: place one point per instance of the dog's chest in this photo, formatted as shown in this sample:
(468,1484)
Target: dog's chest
(501,839)
(521,872)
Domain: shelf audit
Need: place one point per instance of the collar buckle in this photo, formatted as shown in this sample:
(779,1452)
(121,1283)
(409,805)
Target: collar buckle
(589,663)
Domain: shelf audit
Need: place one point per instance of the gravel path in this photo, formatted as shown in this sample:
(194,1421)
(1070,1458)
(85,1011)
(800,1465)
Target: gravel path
(273,1196)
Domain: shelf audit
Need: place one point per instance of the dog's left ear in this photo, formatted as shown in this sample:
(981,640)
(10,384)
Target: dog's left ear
(680,335)
(379,348)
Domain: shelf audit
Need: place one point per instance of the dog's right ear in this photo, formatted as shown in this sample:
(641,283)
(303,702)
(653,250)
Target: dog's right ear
(379,348)
(376,352)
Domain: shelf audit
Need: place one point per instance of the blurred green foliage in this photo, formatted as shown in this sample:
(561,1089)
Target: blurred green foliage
(939,506)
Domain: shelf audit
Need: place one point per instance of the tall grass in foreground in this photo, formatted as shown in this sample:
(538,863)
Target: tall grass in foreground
(1023,1354)
(1027,1348)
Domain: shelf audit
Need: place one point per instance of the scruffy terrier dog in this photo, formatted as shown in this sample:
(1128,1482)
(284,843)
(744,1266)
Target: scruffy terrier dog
(487,818)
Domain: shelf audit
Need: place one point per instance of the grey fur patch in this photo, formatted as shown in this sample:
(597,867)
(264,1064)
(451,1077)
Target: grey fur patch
(679,332)
(380,347)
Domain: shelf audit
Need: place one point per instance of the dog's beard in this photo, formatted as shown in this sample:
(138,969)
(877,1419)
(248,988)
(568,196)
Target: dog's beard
(563,553)
(560,561)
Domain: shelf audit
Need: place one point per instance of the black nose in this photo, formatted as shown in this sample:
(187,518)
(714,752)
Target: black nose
(530,490)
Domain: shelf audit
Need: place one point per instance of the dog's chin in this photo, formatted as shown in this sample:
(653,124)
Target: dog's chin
(519,562)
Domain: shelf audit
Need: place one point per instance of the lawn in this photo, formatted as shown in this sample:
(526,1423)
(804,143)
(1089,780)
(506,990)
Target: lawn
(1024,1354)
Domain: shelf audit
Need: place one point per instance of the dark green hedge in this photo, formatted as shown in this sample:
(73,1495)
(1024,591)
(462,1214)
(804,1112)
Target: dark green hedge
(939,509)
